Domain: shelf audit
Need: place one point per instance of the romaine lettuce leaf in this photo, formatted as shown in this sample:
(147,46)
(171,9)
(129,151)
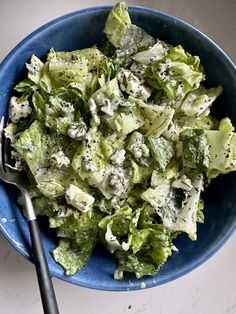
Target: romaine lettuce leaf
(162,151)
(27,87)
(32,146)
(221,151)
(138,69)
(44,206)
(79,237)
(181,122)
(64,72)
(178,210)
(89,157)
(115,227)
(158,196)
(45,82)
(140,174)
(35,68)
(110,144)
(122,34)
(108,98)
(95,58)
(177,73)
(131,263)
(226,125)
(126,119)
(195,149)
(151,247)
(70,257)
(52,182)
(134,40)
(157,119)
(117,24)
(152,54)
(198,101)
(184,218)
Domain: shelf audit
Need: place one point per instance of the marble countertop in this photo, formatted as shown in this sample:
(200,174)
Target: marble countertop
(211,288)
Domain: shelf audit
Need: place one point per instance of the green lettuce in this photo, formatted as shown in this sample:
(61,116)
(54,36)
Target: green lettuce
(151,247)
(78,238)
(35,69)
(152,54)
(70,257)
(32,146)
(198,101)
(115,227)
(222,151)
(117,24)
(195,149)
(162,150)
(122,33)
(157,119)
(177,73)
(178,210)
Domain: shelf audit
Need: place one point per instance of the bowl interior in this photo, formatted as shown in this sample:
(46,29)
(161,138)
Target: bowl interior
(82,29)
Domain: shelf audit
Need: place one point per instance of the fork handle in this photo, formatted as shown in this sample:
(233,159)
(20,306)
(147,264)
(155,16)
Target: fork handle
(45,283)
(44,280)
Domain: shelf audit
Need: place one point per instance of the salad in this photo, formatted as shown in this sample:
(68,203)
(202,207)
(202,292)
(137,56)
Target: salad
(118,143)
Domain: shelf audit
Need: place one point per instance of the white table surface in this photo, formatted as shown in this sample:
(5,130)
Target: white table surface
(210,289)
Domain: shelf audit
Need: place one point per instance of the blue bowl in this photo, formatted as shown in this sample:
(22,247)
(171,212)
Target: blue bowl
(83,29)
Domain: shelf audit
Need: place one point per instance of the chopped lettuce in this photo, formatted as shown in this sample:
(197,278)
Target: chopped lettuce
(124,35)
(222,153)
(89,156)
(32,146)
(116,226)
(177,210)
(117,24)
(157,119)
(35,68)
(78,238)
(152,54)
(150,249)
(177,73)
(226,125)
(140,174)
(134,40)
(70,257)
(162,150)
(195,149)
(198,101)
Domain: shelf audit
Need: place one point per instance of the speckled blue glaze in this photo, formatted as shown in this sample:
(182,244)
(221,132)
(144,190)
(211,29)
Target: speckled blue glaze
(82,29)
